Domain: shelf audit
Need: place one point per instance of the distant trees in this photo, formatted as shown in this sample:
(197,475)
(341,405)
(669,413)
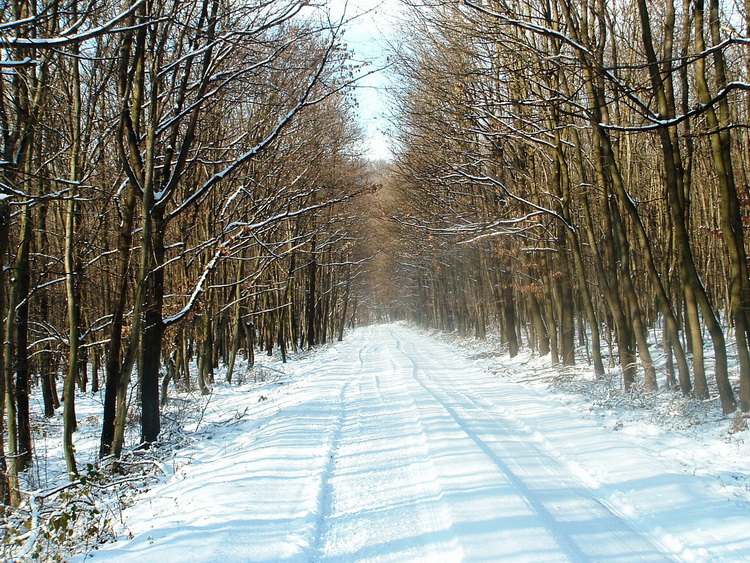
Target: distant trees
(585,170)
(174,183)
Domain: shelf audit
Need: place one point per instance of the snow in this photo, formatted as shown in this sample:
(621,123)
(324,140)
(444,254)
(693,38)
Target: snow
(396,446)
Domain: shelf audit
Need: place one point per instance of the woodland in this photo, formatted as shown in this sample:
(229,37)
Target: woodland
(184,186)
(175,181)
(578,172)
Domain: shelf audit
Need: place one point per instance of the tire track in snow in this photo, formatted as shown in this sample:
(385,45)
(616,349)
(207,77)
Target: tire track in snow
(325,500)
(443,517)
(387,504)
(462,406)
(325,492)
(579,476)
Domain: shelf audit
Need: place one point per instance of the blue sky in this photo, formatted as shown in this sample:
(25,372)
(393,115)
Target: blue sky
(367,36)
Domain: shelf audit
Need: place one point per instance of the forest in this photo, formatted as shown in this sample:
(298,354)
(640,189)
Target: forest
(177,184)
(184,187)
(578,172)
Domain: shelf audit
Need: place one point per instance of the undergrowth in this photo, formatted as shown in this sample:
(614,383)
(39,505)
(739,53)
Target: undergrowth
(52,524)
(58,518)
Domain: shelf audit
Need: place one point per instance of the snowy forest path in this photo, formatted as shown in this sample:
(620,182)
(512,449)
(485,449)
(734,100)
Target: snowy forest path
(524,502)
(391,448)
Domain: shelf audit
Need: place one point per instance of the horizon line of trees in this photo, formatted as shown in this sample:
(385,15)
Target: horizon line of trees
(578,172)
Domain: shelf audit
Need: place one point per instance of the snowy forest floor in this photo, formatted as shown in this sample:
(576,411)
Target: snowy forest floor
(396,445)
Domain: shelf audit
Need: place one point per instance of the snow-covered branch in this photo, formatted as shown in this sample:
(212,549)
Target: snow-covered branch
(65,40)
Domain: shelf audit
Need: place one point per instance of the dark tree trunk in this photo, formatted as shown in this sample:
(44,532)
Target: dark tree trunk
(312,268)
(151,341)
(23,282)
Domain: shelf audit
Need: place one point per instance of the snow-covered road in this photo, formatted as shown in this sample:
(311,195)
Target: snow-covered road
(391,447)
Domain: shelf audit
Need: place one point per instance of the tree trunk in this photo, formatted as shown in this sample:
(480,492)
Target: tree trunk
(639,330)
(113,365)
(731,220)
(310,304)
(509,315)
(46,369)
(4,234)
(71,287)
(344,308)
(205,363)
(118,371)
(153,332)
(21,285)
